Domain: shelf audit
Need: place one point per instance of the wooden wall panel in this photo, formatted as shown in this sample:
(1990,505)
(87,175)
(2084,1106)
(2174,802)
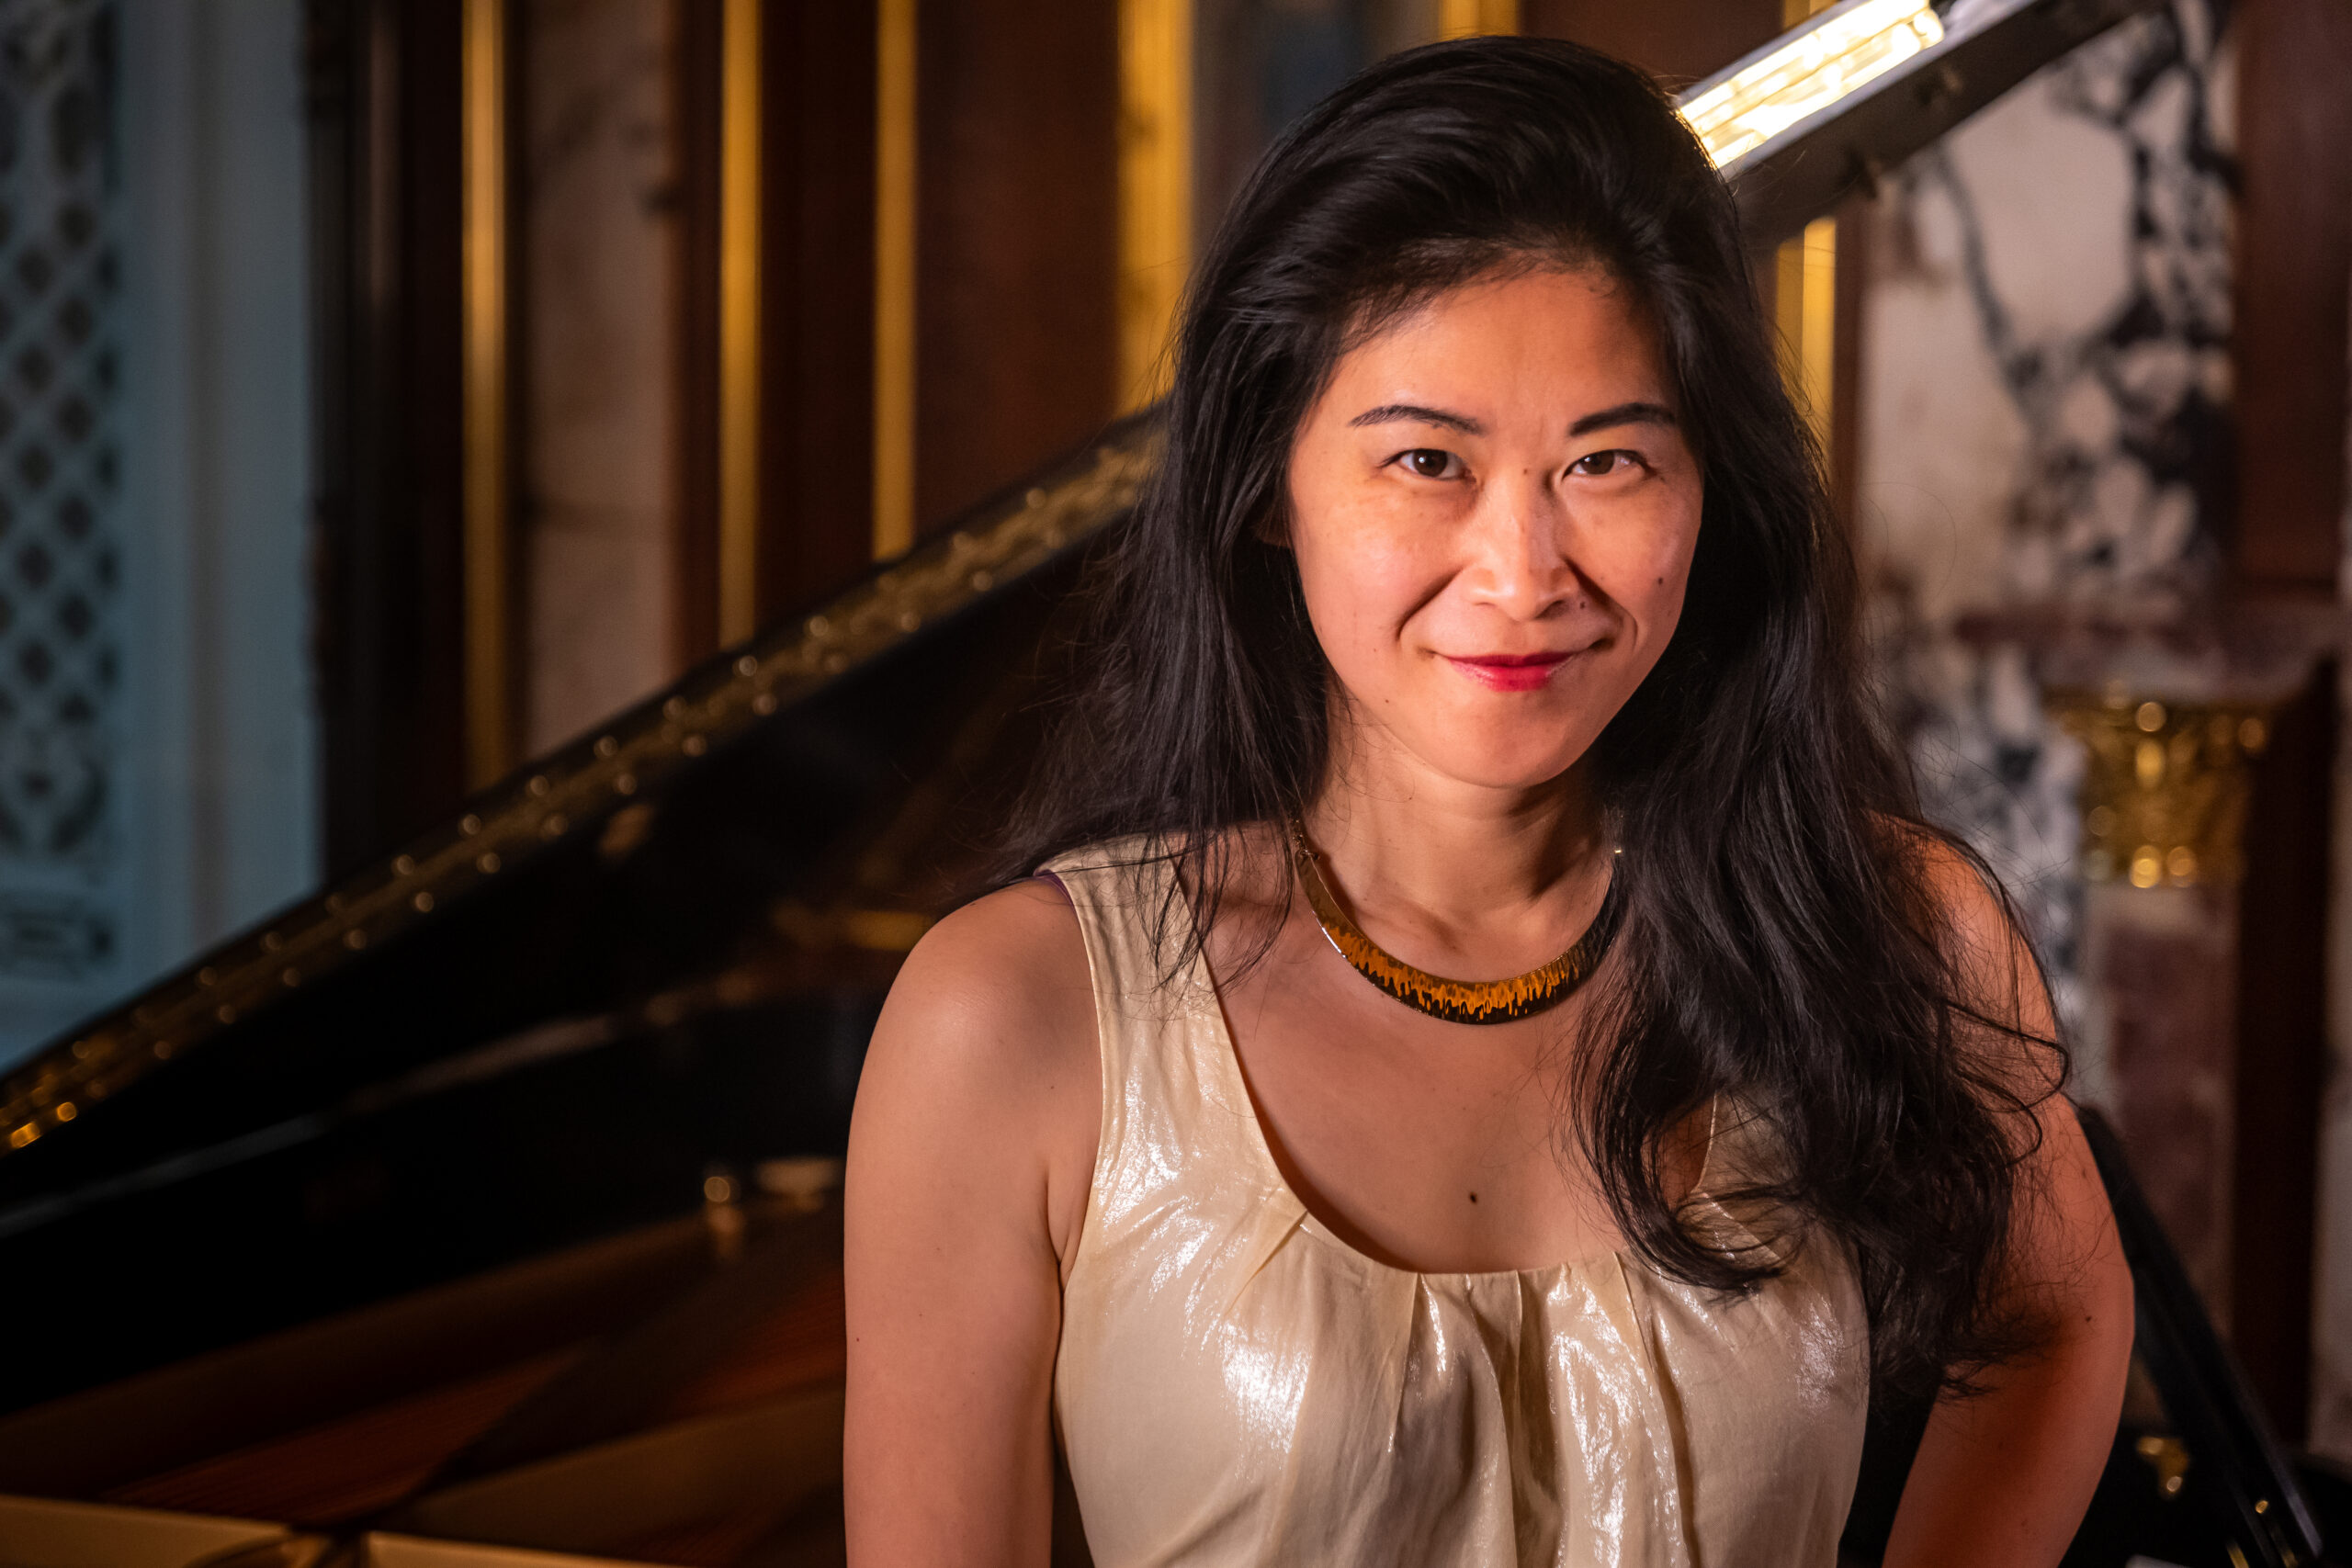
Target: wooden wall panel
(1016,240)
(383,79)
(2293,326)
(1854,229)
(2281,1028)
(816,310)
(1678,41)
(816,307)
(695,621)
(2293,283)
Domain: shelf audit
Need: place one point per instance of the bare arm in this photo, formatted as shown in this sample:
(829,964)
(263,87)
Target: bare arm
(971,1153)
(2004,1478)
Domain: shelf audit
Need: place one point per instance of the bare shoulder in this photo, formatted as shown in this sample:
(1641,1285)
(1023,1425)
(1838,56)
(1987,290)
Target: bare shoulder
(1974,913)
(1993,963)
(982,1075)
(993,1005)
(1005,975)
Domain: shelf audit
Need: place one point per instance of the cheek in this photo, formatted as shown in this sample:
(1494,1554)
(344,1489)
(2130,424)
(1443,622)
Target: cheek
(1646,568)
(1360,571)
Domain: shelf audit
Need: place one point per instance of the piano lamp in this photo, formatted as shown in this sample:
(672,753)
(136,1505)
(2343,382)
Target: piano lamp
(1807,71)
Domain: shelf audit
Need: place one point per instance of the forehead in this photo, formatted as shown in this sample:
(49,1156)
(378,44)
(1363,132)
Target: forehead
(1545,323)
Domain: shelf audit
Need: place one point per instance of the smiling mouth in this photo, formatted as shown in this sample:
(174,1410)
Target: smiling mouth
(1508,672)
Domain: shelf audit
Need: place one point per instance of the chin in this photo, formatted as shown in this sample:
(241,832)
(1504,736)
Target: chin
(1520,778)
(1505,762)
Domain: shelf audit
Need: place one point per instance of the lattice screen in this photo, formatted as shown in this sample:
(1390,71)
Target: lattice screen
(60,631)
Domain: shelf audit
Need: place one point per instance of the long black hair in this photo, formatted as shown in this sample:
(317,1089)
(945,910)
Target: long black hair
(1781,946)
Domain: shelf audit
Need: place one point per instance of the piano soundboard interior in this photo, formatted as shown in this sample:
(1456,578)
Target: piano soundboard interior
(375,1453)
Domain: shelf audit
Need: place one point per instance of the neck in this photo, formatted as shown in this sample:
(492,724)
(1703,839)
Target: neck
(1408,844)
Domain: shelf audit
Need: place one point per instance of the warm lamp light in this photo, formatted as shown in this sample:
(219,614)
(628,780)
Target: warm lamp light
(1841,50)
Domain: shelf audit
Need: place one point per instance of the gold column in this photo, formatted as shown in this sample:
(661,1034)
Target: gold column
(1805,307)
(894,280)
(738,320)
(1805,293)
(1477,19)
(1154,189)
(490,723)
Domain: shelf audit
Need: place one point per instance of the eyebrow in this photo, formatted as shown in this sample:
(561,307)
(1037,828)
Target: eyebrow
(1623,414)
(1389,413)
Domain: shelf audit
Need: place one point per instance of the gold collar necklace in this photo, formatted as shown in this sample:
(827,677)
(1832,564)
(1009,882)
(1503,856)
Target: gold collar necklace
(1457,1001)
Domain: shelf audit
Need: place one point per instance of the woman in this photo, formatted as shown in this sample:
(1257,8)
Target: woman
(1486,619)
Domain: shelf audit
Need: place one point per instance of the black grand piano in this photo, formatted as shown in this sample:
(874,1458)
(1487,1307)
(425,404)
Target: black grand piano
(485,1206)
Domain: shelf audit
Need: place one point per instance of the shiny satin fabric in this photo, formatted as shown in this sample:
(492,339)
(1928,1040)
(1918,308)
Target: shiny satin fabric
(1236,1384)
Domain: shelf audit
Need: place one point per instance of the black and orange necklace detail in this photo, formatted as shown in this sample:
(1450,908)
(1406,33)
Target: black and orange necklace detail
(1458,1001)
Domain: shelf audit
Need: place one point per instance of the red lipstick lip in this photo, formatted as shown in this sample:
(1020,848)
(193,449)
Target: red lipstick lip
(1508,672)
(1509,661)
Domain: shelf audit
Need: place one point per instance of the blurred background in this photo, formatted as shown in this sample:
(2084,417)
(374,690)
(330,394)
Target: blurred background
(392,389)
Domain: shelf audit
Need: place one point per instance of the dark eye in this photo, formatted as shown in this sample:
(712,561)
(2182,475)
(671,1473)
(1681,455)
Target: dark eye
(1594,465)
(1430,462)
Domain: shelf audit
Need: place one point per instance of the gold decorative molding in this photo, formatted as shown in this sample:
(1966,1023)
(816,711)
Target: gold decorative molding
(1477,19)
(1155,189)
(2165,792)
(597,784)
(895,194)
(489,674)
(739,90)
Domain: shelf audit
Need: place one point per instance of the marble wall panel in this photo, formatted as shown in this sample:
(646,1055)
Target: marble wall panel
(2045,392)
(595,291)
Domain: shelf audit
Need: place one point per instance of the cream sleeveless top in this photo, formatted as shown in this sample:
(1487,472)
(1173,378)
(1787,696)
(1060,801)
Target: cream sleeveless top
(1236,1384)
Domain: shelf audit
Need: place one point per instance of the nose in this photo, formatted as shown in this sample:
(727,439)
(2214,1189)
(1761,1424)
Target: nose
(1519,556)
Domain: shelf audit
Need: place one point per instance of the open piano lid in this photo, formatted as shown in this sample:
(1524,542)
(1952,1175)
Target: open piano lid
(658,947)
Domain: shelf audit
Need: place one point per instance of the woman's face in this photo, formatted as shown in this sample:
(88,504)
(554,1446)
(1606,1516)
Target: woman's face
(1493,509)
